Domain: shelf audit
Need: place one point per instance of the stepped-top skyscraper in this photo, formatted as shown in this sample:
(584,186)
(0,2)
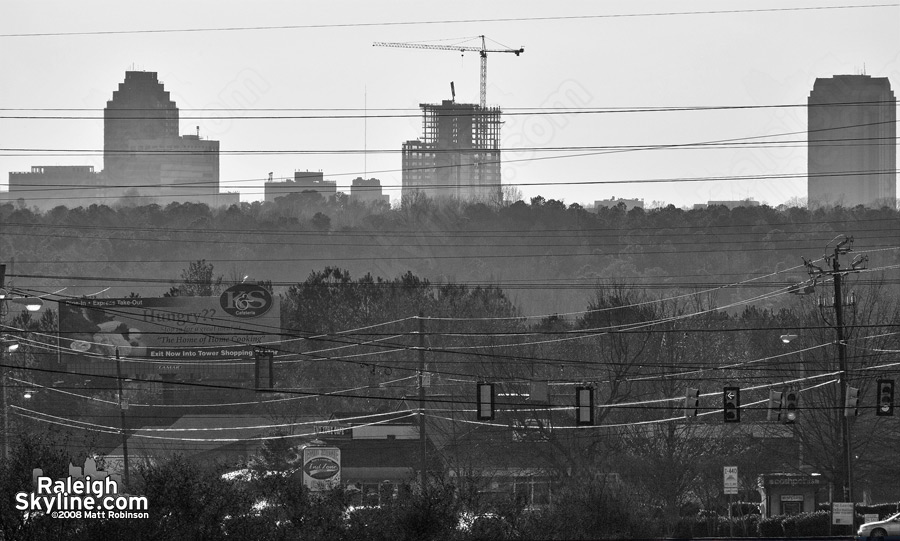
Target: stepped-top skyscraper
(141,146)
(852,142)
(145,160)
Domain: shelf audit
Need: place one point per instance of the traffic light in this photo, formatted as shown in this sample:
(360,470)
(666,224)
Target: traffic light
(791,400)
(731,402)
(485,401)
(264,371)
(851,404)
(885,397)
(691,402)
(584,405)
(774,413)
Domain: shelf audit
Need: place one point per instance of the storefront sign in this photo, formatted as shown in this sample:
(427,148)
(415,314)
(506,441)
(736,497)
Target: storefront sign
(321,467)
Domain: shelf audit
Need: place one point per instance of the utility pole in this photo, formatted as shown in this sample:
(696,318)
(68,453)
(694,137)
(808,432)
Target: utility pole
(845,470)
(124,430)
(423,442)
(4,430)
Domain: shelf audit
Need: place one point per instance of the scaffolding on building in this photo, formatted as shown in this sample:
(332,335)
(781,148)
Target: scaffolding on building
(459,153)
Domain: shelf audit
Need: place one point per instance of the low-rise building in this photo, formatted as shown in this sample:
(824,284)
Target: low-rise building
(367,191)
(613,203)
(303,181)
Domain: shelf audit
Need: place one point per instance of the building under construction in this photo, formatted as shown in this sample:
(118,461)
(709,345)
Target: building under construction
(458,155)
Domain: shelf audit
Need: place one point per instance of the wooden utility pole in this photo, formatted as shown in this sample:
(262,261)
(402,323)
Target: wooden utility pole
(845,470)
(123,429)
(423,456)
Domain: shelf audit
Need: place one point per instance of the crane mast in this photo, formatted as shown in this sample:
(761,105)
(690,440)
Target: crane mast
(482,52)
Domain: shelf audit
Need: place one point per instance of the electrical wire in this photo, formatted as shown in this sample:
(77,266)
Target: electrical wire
(447,21)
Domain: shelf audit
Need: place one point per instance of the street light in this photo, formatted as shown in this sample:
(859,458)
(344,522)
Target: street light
(788,338)
(32,304)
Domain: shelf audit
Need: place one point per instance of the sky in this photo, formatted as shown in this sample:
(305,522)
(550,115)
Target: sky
(225,61)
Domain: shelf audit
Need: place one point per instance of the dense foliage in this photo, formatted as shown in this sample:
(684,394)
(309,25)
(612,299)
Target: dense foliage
(631,303)
(549,255)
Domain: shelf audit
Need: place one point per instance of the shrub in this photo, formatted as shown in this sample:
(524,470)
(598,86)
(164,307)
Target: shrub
(771,527)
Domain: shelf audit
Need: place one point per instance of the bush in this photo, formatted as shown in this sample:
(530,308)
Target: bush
(881,509)
(706,525)
(771,527)
(801,525)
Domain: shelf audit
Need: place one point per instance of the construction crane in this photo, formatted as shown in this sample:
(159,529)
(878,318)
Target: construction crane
(482,51)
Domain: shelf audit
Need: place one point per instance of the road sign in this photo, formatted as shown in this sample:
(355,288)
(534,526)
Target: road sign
(842,513)
(731,480)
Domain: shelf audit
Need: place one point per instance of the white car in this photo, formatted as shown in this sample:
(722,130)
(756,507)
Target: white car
(889,527)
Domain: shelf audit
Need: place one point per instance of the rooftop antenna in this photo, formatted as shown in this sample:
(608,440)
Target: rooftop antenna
(452,92)
(198,132)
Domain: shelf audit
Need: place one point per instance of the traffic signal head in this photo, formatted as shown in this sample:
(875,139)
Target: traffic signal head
(791,400)
(851,404)
(264,370)
(584,406)
(774,413)
(731,402)
(485,401)
(691,402)
(885,397)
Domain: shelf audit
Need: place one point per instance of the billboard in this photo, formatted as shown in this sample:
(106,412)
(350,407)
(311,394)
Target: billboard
(170,335)
(321,467)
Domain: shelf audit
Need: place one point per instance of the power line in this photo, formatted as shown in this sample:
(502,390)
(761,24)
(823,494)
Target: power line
(446,21)
(507,110)
(416,114)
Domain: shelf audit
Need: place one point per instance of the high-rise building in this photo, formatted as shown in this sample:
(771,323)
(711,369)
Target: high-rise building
(852,142)
(142,149)
(145,160)
(458,155)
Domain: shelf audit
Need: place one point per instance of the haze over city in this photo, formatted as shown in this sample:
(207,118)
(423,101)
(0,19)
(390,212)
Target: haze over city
(402,270)
(293,87)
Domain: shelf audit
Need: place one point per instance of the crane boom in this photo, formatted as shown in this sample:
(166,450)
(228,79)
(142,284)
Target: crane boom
(459,48)
(482,51)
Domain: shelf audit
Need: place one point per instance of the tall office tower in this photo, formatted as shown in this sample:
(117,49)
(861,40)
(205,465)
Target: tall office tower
(142,149)
(459,155)
(852,142)
(145,160)
(139,110)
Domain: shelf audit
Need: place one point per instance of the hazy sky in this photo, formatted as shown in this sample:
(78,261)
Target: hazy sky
(578,55)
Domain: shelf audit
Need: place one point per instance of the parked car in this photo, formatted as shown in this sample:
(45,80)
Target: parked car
(881,529)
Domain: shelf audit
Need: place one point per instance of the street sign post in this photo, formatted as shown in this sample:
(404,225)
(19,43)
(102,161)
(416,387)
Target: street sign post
(731,480)
(842,513)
